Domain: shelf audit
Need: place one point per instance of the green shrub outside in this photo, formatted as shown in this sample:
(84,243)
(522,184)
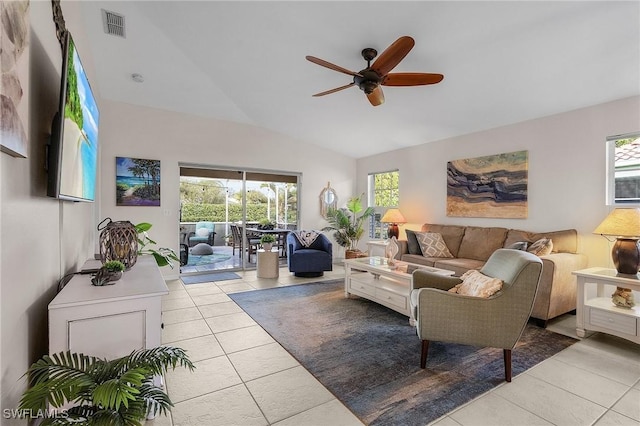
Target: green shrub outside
(216,213)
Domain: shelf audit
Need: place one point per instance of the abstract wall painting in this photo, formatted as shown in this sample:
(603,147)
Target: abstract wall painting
(137,182)
(14,87)
(493,186)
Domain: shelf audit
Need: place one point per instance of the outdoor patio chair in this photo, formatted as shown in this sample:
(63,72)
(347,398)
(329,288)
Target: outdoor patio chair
(204,233)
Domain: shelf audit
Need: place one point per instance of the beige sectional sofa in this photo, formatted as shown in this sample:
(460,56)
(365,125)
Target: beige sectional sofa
(471,246)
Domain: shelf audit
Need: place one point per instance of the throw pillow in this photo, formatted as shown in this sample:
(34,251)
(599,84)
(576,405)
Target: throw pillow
(432,245)
(412,242)
(520,245)
(542,247)
(202,232)
(476,284)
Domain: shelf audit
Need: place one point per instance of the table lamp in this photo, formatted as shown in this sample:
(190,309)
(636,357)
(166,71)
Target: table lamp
(393,217)
(624,224)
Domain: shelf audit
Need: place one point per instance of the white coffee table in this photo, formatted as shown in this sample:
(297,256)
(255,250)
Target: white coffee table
(374,279)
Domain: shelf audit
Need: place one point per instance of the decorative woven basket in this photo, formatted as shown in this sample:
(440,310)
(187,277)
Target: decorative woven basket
(119,241)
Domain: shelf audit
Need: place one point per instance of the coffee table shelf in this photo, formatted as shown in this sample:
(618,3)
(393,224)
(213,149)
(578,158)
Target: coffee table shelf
(389,285)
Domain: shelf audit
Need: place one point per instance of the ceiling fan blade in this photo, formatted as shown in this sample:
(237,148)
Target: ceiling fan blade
(331,66)
(411,79)
(337,89)
(393,55)
(376,97)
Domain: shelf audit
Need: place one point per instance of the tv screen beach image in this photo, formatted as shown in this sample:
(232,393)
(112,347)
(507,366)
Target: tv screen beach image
(80,137)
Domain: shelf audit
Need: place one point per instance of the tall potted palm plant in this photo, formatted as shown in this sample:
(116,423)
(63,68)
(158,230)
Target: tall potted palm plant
(348,226)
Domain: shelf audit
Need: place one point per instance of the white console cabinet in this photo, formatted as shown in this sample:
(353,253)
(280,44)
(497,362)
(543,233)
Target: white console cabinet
(599,313)
(109,321)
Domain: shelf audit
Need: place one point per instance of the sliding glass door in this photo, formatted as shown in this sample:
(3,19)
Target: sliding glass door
(241,204)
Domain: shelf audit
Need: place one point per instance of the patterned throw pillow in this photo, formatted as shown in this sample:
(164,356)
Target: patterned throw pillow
(432,245)
(412,242)
(476,284)
(542,247)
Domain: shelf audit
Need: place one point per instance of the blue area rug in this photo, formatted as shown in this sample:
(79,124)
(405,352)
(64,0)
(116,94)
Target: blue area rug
(368,356)
(197,260)
(205,278)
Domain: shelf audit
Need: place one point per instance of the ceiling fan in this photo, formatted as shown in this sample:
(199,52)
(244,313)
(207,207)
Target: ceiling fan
(373,76)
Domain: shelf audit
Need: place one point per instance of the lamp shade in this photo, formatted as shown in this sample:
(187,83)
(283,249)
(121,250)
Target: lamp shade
(624,222)
(393,216)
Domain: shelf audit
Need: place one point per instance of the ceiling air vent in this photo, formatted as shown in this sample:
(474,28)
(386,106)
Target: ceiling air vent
(113,23)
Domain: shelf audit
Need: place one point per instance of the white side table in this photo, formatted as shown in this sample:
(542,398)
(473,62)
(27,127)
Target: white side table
(599,313)
(268,265)
(376,247)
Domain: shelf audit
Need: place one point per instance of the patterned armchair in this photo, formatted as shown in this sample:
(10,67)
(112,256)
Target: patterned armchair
(312,258)
(497,321)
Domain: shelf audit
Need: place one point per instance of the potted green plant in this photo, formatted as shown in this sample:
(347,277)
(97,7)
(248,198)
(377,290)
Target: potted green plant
(266,224)
(113,392)
(163,255)
(267,241)
(348,225)
(114,269)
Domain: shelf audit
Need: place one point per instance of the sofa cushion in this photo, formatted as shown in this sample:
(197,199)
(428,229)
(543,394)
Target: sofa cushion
(476,284)
(565,241)
(451,234)
(479,242)
(432,245)
(458,266)
(412,242)
(542,247)
(419,259)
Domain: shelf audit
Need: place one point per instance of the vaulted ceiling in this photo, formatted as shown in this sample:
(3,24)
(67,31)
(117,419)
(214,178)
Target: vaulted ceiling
(503,62)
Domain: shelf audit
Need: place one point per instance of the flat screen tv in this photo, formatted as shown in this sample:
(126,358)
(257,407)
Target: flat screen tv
(73,149)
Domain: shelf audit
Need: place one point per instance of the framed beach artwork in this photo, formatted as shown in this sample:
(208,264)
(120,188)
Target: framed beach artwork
(492,186)
(137,182)
(14,90)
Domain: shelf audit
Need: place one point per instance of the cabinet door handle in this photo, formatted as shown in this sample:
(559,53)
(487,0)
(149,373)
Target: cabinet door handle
(162,325)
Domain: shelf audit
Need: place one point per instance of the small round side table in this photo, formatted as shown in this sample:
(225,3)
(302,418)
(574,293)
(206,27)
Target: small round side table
(268,264)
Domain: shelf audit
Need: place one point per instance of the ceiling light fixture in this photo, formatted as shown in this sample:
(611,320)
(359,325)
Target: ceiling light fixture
(138,78)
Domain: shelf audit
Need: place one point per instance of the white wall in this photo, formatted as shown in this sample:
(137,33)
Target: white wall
(173,138)
(41,238)
(566,172)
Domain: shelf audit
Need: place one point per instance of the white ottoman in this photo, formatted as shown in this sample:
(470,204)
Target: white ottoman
(202,249)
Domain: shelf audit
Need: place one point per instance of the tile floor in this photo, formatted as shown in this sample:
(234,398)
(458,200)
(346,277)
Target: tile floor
(244,377)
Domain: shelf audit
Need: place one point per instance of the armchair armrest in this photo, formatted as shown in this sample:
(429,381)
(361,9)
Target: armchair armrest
(211,237)
(326,245)
(425,279)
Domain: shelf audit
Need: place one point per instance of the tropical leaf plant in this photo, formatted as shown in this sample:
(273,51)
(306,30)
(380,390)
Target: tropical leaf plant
(102,392)
(163,255)
(348,227)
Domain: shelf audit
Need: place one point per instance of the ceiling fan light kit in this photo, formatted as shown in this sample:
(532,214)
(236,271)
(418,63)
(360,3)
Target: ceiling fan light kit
(371,78)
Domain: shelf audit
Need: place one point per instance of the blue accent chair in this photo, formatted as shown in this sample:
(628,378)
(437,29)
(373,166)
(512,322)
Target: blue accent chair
(309,261)
(205,233)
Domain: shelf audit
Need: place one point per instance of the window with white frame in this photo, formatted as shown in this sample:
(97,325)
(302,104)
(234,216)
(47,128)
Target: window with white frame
(383,194)
(623,169)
